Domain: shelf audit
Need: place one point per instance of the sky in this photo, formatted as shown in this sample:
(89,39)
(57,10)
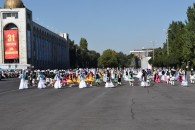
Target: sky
(121,25)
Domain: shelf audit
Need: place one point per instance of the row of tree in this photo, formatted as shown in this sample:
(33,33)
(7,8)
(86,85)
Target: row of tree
(80,56)
(179,49)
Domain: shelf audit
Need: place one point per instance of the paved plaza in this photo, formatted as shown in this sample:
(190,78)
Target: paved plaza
(159,107)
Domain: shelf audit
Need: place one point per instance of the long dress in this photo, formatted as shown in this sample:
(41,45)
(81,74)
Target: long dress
(109,83)
(23,82)
(41,83)
(104,78)
(192,78)
(82,84)
(119,76)
(184,80)
(144,79)
(57,84)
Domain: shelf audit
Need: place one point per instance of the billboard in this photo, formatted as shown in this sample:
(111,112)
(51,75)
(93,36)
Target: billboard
(11,47)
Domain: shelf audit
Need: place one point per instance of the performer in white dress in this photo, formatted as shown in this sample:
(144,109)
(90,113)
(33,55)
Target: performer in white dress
(104,77)
(172,80)
(57,79)
(192,77)
(109,83)
(144,78)
(82,83)
(24,80)
(139,75)
(41,78)
(119,76)
(163,75)
(184,79)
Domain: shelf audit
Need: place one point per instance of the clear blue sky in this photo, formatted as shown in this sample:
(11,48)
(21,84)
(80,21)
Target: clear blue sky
(121,25)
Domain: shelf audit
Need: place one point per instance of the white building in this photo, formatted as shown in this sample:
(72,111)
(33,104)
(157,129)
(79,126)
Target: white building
(144,57)
(25,43)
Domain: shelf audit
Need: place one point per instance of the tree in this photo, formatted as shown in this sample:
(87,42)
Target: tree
(108,59)
(83,44)
(72,53)
(93,59)
(122,60)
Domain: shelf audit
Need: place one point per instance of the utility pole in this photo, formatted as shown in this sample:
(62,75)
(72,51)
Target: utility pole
(168,41)
(153,43)
(153,49)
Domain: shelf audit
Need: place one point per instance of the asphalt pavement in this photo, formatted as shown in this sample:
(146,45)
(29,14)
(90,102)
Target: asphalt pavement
(159,107)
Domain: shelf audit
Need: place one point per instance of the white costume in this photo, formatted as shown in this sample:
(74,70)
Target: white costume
(41,83)
(184,80)
(109,83)
(172,80)
(82,83)
(57,84)
(192,79)
(24,81)
(104,78)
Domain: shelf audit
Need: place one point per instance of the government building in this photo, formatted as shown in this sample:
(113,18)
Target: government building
(26,44)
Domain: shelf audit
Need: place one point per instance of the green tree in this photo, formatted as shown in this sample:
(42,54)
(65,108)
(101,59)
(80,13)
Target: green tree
(122,60)
(83,44)
(108,59)
(189,43)
(93,59)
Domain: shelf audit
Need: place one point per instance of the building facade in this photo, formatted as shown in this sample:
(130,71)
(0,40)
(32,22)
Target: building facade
(26,44)
(143,56)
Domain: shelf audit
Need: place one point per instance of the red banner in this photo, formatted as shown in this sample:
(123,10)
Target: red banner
(11,47)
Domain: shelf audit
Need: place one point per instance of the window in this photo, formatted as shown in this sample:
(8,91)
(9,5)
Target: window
(13,14)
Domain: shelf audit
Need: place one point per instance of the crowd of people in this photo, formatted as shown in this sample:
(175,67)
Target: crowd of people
(4,74)
(79,77)
(109,77)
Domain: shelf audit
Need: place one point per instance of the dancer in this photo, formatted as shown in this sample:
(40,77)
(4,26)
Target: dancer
(109,83)
(184,79)
(119,77)
(97,78)
(163,75)
(82,83)
(172,80)
(57,79)
(24,81)
(192,77)
(41,78)
(131,78)
(144,78)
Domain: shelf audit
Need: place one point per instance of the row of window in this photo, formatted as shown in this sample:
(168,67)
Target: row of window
(12,14)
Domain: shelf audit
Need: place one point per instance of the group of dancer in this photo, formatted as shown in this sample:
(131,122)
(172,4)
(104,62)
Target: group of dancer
(110,77)
(60,78)
(168,76)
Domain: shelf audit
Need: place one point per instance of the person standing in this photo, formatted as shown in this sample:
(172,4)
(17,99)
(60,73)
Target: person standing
(144,78)
(119,77)
(82,83)
(57,79)
(41,78)
(109,83)
(131,78)
(97,78)
(24,80)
